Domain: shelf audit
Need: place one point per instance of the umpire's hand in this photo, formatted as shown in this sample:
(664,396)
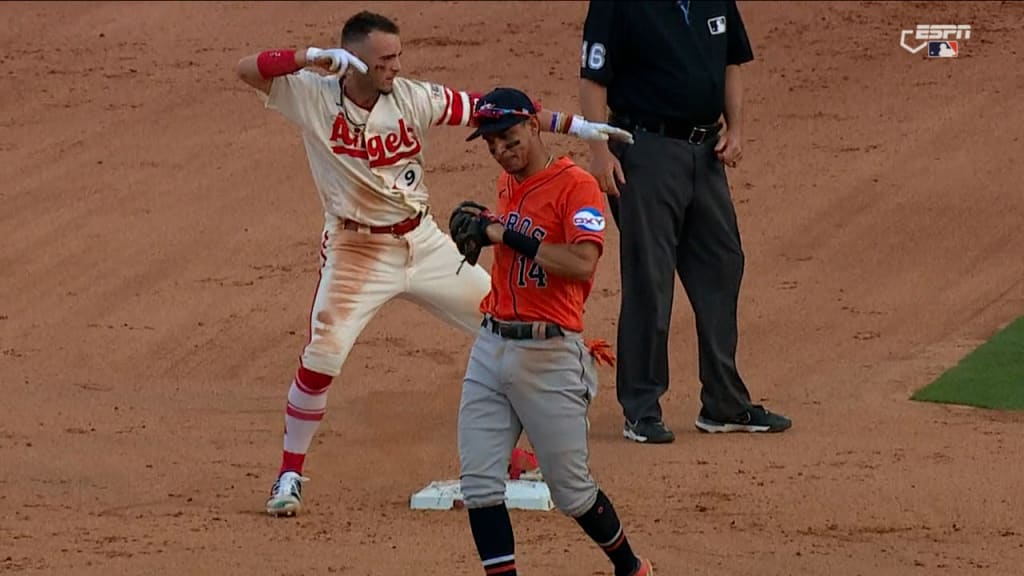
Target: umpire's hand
(605,167)
(729,148)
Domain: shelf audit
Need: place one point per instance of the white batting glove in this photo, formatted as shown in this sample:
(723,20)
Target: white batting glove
(339,59)
(587,130)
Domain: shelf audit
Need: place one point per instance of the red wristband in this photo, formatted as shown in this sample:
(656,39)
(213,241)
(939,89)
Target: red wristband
(274,63)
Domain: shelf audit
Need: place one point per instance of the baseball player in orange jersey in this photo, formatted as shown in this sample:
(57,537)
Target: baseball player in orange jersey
(530,368)
(363,130)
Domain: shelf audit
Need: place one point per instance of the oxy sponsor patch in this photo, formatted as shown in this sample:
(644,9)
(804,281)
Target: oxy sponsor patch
(589,219)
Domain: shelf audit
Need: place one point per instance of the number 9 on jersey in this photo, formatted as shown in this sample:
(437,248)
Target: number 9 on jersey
(409,177)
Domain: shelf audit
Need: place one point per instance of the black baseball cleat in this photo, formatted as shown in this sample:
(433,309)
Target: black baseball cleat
(755,419)
(648,431)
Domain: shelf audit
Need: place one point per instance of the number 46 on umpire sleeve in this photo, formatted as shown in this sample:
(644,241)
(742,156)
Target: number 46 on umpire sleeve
(593,56)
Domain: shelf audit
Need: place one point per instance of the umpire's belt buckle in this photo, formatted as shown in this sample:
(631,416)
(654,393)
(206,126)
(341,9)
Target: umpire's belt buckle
(698,135)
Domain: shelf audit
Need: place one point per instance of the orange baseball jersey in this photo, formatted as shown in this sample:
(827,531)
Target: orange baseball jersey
(561,204)
(368,165)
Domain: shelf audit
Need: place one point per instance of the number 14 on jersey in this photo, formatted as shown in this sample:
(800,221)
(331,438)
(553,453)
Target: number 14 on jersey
(530,271)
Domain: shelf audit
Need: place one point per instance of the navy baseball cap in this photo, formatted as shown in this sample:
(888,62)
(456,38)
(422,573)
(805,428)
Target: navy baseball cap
(501,109)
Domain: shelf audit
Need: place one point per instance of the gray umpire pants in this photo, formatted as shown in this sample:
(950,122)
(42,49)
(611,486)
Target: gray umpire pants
(675,215)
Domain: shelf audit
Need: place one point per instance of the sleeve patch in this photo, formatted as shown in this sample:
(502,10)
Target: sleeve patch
(589,219)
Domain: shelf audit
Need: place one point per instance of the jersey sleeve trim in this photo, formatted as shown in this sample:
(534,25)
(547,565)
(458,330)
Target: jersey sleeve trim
(458,110)
(590,237)
(587,236)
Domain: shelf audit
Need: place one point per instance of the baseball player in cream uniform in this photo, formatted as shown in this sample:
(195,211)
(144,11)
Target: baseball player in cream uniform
(364,129)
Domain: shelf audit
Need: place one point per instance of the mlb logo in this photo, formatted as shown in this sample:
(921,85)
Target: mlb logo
(944,49)
(716,25)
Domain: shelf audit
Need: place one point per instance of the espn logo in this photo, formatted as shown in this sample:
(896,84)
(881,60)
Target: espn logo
(940,39)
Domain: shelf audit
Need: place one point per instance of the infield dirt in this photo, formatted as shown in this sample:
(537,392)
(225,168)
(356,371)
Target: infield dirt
(159,250)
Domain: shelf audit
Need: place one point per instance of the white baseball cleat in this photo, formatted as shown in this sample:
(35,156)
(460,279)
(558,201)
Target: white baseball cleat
(286,495)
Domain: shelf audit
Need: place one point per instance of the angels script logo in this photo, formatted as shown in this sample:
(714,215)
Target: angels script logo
(379,149)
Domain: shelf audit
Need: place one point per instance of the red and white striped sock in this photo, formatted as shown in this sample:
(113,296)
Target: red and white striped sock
(307,404)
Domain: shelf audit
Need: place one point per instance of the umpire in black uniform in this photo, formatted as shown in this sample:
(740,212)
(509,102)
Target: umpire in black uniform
(669,73)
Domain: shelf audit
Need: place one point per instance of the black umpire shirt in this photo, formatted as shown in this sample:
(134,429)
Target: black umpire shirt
(664,59)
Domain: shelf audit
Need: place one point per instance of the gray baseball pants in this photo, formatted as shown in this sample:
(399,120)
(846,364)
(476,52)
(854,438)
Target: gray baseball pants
(543,387)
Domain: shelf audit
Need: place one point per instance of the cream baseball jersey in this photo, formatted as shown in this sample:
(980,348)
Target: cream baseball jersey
(368,165)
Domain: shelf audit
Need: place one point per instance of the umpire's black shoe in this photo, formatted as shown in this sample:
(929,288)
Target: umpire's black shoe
(755,419)
(648,431)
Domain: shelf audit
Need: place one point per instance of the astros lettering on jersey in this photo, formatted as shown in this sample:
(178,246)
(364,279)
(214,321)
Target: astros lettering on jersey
(368,165)
(560,204)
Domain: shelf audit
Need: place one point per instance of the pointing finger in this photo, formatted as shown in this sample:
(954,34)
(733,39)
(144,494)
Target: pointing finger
(358,64)
(618,134)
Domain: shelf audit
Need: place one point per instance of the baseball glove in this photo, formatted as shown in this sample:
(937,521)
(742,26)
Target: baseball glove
(468,228)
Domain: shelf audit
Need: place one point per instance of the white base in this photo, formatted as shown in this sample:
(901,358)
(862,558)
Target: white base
(447,494)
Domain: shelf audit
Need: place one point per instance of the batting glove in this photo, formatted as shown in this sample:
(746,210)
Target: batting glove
(339,59)
(587,130)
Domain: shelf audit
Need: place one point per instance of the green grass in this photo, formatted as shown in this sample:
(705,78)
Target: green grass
(992,376)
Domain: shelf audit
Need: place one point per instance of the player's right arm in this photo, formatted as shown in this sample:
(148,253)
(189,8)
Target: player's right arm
(288,86)
(287,61)
(259,70)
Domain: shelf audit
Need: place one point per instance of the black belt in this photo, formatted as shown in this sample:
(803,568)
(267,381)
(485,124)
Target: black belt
(523,330)
(671,128)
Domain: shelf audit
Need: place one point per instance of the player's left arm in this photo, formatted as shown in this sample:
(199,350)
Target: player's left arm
(576,261)
(449,107)
(452,107)
(573,261)
(583,228)
(433,104)
(576,125)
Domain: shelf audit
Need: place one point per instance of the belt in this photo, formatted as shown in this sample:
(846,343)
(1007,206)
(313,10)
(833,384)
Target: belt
(399,229)
(679,129)
(523,330)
